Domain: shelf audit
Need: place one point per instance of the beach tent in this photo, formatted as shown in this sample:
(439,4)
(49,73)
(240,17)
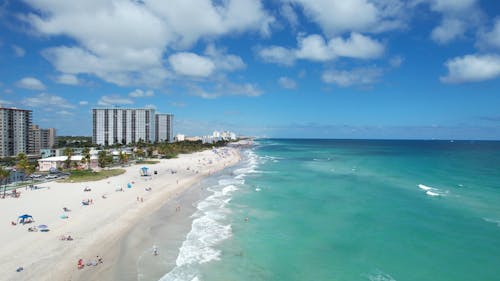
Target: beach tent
(129,185)
(144,171)
(23,218)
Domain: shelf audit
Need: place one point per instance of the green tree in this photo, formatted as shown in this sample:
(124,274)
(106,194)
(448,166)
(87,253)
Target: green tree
(150,150)
(140,153)
(86,157)
(122,157)
(68,152)
(102,158)
(4,175)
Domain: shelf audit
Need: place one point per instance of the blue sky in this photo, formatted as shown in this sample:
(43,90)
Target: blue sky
(292,68)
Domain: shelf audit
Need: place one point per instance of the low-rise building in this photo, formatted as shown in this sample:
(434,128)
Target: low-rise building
(59,162)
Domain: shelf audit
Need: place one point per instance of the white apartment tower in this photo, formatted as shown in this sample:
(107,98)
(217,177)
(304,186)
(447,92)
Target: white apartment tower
(164,127)
(15,127)
(116,125)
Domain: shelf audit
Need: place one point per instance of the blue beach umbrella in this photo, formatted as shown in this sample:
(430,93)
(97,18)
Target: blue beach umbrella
(43,226)
(129,185)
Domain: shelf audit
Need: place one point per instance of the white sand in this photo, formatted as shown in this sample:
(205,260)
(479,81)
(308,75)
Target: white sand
(44,257)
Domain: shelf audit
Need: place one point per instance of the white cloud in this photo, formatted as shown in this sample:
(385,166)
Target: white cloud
(114,100)
(277,54)
(18,51)
(191,64)
(355,77)
(452,6)
(83,102)
(150,106)
(472,68)
(225,88)
(338,16)
(124,42)
(396,61)
(289,14)
(68,79)
(48,102)
(448,30)
(138,93)
(223,61)
(30,83)
(491,39)
(458,16)
(357,46)
(315,48)
(287,83)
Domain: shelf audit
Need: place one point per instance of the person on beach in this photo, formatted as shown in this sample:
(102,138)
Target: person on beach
(155,251)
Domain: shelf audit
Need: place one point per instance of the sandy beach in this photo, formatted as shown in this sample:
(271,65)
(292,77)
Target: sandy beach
(95,228)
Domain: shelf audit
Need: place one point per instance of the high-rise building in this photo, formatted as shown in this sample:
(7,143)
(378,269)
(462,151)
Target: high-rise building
(15,127)
(42,138)
(116,125)
(164,127)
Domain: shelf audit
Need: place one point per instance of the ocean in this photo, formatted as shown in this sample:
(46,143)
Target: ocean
(347,210)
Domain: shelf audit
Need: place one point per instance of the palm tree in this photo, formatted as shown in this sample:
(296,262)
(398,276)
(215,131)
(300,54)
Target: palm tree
(68,152)
(23,164)
(4,175)
(86,157)
(102,158)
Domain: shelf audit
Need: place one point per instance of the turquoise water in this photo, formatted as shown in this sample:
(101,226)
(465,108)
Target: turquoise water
(351,210)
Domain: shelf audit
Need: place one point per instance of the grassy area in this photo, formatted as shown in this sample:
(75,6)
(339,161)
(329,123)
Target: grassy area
(147,162)
(84,175)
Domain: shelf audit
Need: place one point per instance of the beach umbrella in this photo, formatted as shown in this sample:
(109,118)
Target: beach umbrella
(129,185)
(43,226)
(25,216)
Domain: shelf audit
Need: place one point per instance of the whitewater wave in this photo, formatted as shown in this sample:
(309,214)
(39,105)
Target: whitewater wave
(495,221)
(431,191)
(380,276)
(210,226)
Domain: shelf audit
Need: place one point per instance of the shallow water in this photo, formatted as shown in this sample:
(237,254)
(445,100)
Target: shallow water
(350,210)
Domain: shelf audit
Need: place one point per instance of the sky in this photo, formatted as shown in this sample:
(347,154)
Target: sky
(390,69)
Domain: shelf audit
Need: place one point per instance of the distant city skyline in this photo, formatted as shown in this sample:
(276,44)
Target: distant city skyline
(381,69)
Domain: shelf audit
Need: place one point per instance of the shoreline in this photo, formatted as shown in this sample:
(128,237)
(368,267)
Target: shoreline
(95,228)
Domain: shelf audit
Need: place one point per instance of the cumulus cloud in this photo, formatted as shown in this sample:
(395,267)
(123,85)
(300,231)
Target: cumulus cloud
(472,68)
(315,48)
(138,93)
(124,42)
(287,83)
(278,55)
(48,102)
(18,51)
(355,77)
(224,88)
(457,17)
(68,79)
(396,61)
(448,30)
(357,46)
(490,39)
(114,100)
(338,16)
(30,83)
(191,64)
(289,14)
(223,61)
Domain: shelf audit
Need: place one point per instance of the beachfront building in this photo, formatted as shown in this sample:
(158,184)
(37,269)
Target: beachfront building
(164,128)
(42,138)
(116,125)
(59,162)
(180,137)
(15,126)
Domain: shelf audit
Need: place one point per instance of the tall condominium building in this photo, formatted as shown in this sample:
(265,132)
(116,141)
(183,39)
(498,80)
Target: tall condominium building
(15,127)
(116,125)
(164,127)
(42,138)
